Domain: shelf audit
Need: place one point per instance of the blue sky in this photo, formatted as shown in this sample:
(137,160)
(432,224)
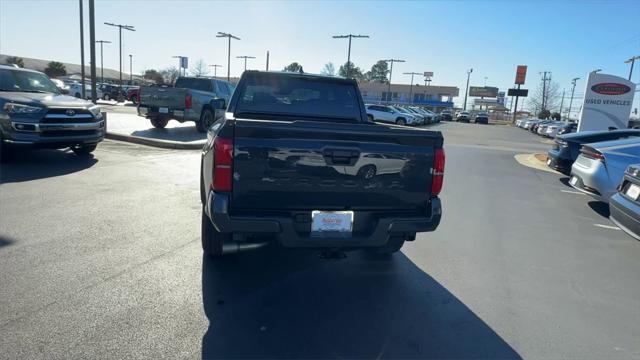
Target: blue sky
(568,38)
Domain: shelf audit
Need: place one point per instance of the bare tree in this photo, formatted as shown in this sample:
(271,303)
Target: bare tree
(328,69)
(170,75)
(200,68)
(547,95)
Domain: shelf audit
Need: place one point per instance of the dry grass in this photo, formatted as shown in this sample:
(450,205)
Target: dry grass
(541,157)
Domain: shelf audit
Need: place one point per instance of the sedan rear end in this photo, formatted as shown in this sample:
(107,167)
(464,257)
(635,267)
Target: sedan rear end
(624,205)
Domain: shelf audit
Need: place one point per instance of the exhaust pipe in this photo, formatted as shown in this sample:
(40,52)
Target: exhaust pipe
(236,247)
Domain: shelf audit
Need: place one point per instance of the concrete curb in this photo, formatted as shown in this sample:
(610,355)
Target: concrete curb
(165,144)
(530,161)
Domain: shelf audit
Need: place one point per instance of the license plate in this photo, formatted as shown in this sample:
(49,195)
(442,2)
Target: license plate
(163,110)
(573,181)
(143,110)
(331,221)
(178,113)
(633,191)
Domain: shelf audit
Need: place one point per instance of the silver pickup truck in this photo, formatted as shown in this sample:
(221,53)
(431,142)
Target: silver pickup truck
(189,100)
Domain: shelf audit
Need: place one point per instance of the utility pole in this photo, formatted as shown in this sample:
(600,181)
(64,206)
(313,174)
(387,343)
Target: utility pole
(350,36)
(130,69)
(245,60)
(561,104)
(466,89)
(267,68)
(120,27)
(102,58)
(92,50)
(573,89)
(179,57)
(411,87)
(229,36)
(215,69)
(632,61)
(82,49)
(544,88)
(391,73)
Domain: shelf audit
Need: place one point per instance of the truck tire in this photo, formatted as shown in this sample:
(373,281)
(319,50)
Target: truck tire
(401,121)
(206,120)
(212,240)
(84,149)
(107,97)
(393,245)
(367,172)
(159,123)
(370,117)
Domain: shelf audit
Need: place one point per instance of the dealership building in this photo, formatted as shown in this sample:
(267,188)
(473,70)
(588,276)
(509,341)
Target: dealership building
(432,97)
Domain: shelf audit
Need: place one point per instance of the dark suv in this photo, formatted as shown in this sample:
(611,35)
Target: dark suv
(112,92)
(33,112)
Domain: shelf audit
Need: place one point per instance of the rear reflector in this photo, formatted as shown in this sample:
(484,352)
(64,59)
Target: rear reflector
(437,178)
(222,164)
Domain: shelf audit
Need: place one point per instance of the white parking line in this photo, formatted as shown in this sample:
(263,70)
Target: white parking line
(573,192)
(610,227)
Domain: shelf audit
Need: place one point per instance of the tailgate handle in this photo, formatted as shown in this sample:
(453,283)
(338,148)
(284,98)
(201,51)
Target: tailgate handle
(341,156)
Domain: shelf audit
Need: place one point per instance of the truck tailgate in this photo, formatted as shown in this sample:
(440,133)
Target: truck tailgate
(171,98)
(307,165)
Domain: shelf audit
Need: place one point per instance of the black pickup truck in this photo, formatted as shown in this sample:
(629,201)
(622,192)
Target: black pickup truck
(295,160)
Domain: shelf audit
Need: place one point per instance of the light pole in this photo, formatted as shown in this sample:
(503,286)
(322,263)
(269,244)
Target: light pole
(349,36)
(92,50)
(245,57)
(102,58)
(573,89)
(130,69)
(632,61)
(411,87)
(391,73)
(485,81)
(229,36)
(82,50)
(179,57)
(466,89)
(215,69)
(120,27)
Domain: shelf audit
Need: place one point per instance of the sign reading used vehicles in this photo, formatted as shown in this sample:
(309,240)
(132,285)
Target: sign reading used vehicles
(607,103)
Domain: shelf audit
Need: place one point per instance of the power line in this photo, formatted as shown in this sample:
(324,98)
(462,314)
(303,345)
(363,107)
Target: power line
(120,27)
(229,36)
(245,60)
(349,36)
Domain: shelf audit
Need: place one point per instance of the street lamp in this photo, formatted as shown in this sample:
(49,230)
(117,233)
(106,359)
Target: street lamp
(411,87)
(102,58)
(632,61)
(215,69)
(391,73)
(349,36)
(573,89)
(120,27)
(245,60)
(596,71)
(130,69)
(229,36)
(466,89)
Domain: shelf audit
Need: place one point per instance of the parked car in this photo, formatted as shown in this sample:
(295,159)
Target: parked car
(624,205)
(481,118)
(530,123)
(255,187)
(566,148)
(75,90)
(422,118)
(389,114)
(541,127)
(446,115)
(62,87)
(429,117)
(552,128)
(600,167)
(190,100)
(567,128)
(417,119)
(133,94)
(463,117)
(111,92)
(33,113)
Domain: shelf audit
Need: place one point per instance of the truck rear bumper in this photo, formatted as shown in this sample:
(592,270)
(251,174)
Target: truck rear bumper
(176,114)
(288,234)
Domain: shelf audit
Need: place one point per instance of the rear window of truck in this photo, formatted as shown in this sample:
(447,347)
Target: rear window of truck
(194,84)
(299,96)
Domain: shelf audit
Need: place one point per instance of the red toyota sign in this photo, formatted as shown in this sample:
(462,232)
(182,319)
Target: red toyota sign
(610,88)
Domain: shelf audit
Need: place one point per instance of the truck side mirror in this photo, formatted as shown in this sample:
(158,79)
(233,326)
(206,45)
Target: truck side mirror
(218,104)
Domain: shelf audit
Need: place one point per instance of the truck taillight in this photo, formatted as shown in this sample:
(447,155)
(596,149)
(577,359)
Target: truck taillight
(222,164)
(437,177)
(188,101)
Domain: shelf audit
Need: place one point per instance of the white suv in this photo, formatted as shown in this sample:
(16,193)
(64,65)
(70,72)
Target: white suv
(390,115)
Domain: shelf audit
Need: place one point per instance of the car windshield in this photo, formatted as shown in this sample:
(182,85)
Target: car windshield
(298,96)
(26,81)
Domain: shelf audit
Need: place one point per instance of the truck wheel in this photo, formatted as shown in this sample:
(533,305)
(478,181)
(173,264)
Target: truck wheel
(370,117)
(393,245)
(134,99)
(206,120)
(367,172)
(84,149)
(212,240)
(401,121)
(107,97)
(77,95)
(159,123)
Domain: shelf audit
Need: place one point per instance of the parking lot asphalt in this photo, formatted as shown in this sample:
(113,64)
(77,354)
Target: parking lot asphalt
(101,258)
